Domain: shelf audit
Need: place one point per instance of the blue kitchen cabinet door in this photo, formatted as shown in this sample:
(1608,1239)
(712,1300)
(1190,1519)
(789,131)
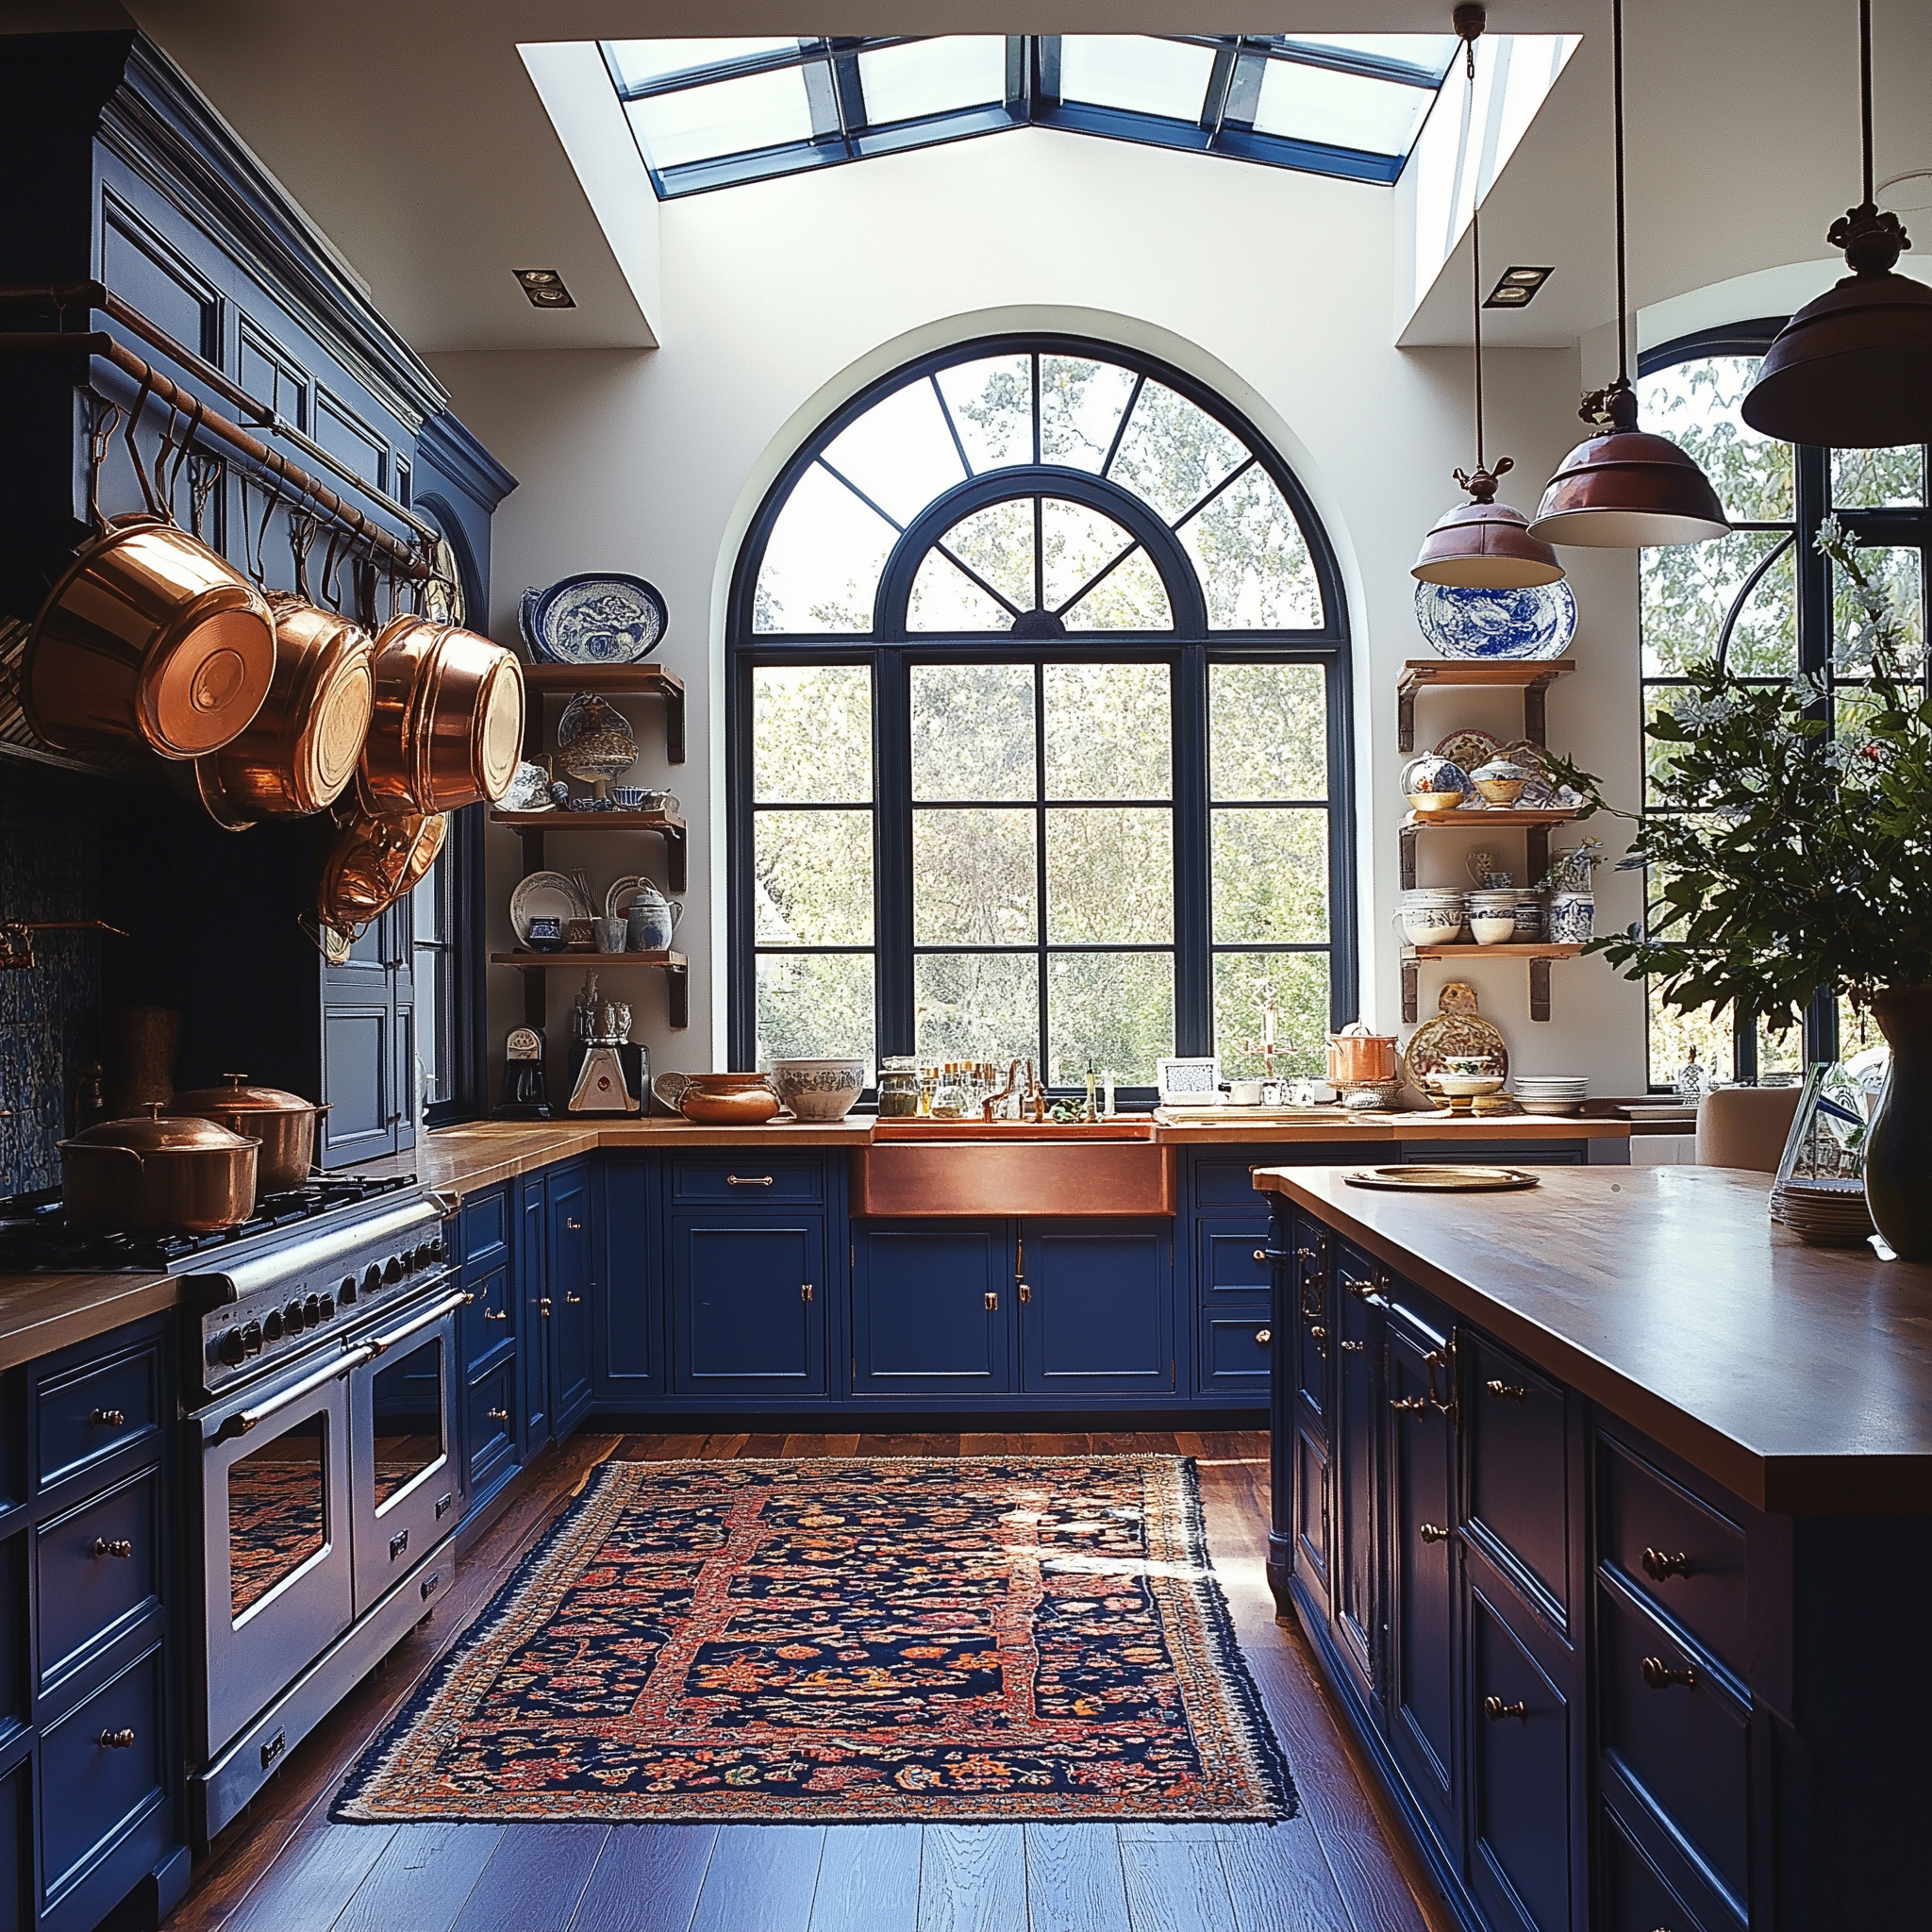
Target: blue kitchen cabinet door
(533,1295)
(748,1305)
(1096,1307)
(627,1356)
(1354,1555)
(568,1314)
(932,1310)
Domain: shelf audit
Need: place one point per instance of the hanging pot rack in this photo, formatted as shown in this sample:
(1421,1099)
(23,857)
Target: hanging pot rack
(397,557)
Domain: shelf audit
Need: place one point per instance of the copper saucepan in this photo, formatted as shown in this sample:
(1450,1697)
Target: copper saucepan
(373,864)
(154,1175)
(301,751)
(448,721)
(284,1123)
(147,638)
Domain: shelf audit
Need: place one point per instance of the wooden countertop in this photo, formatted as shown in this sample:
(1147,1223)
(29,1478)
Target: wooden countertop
(1798,1377)
(40,1313)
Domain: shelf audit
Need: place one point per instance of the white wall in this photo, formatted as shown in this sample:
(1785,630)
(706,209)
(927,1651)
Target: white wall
(781,298)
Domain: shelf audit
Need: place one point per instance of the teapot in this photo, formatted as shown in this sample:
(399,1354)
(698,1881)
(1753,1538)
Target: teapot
(652,919)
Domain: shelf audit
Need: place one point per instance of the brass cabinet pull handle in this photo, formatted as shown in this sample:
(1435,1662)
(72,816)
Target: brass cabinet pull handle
(544,1306)
(109,1418)
(572,1301)
(992,1300)
(1026,1293)
(117,1740)
(1508,1392)
(743,1180)
(1364,1291)
(1432,1532)
(574,1226)
(1443,1360)
(1658,1566)
(804,1290)
(1263,1337)
(1496,1710)
(1659,1676)
(1352,1347)
(119,1547)
(497,1415)
(496,1314)
(1408,1405)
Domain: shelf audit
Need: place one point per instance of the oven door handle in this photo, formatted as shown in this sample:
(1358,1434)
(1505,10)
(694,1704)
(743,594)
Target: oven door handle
(244,1420)
(380,1344)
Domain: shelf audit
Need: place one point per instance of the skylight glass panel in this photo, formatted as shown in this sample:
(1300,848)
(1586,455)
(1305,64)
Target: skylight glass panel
(1304,103)
(637,61)
(1136,71)
(937,76)
(725,117)
(1431,52)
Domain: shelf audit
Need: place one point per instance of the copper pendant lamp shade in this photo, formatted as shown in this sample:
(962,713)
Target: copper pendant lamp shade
(1853,370)
(1482,544)
(1627,489)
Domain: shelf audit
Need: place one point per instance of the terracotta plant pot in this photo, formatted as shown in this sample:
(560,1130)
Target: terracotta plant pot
(1898,1147)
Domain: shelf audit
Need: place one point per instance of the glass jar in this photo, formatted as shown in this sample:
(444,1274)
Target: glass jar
(898,1087)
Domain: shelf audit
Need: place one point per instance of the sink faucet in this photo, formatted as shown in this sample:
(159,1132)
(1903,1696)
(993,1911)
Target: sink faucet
(990,1107)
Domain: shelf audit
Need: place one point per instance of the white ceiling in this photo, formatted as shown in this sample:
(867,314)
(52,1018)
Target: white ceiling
(411,131)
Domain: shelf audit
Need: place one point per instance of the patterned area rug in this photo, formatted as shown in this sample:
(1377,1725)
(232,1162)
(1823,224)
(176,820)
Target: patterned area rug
(959,1641)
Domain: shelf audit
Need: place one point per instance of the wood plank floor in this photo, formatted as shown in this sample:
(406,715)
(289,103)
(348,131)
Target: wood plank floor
(1338,1867)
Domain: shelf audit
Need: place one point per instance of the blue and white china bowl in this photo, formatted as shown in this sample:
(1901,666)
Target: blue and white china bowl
(600,617)
(1573,918)
(1539,621)
(819,1090)
(529,790)
(1433,784)
(545,934)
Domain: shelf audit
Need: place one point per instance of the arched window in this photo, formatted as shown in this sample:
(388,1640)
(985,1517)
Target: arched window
(1037,721)
(1767,604)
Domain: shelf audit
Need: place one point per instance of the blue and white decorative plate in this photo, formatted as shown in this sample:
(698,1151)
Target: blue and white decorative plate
(1535,622)
(601,617)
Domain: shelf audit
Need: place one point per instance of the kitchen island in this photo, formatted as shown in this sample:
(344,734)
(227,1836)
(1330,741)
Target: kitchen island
(1607,1510)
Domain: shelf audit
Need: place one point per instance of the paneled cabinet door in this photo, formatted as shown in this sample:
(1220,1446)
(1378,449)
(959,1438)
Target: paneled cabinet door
(1096,1306)
(369,1047)
(932,1310)
(748,1301)
(1423,1702)
(1354,1429)
(569,1312)
(533,1297)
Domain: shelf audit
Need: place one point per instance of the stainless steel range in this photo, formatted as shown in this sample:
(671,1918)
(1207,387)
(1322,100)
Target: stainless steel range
(319,1382)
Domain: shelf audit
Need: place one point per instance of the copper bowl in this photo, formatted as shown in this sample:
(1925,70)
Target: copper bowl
(373,864)
(718,1100)
(150,640)
(151,1175)
(283,1123)
(448,721)
(301,751)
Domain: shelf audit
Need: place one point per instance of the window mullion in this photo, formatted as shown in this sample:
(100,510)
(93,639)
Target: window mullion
(892,914)
(1041,909)
(1193,968)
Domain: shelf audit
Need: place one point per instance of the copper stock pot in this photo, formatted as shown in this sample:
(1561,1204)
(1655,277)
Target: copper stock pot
(150,1175)
(448,721)
(373,863)
(284,1123)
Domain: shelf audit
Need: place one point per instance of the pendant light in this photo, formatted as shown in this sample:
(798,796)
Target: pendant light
(1853,370)
(1626,491)
(1481,544)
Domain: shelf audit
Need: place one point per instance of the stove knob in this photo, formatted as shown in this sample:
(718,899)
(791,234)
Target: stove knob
(372,1279)
(327,1310)
(292,1318)
(312,1311)
(272,1326)
(251,1338)
(393,1269)
(426,1255)
(346,1294)
(435,1248)
(231,1348)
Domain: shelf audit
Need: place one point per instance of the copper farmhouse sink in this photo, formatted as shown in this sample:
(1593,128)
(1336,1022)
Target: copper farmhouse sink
(991,1174)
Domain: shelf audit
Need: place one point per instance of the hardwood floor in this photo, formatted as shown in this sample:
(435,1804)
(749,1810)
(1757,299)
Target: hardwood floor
(283,1867)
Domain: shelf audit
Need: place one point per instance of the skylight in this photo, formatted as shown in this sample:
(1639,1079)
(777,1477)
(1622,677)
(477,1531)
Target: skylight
(712,114)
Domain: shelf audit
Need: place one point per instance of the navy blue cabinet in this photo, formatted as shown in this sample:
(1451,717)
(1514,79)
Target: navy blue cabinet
(491,1452)
(567,1310)
(1096,1307)
(748,1306)
(627,1351)
(533,1380)
(932,1310)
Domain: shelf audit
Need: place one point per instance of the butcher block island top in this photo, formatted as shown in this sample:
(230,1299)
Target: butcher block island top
(1798,1377)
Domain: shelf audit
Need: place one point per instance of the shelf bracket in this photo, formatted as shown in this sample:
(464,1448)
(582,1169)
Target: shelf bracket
(1412,989)
(1408,838)
(1538,989)
(1405,713)
(1535,719)
(677,992)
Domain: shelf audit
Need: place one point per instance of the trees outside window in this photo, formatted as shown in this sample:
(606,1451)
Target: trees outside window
(1038,727)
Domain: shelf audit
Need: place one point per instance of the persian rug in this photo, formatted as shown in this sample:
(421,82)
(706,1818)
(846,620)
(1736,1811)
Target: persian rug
(968,1639)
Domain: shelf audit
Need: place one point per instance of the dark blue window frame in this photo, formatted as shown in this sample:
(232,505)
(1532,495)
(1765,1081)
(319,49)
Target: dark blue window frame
(842,131)
(1188,648)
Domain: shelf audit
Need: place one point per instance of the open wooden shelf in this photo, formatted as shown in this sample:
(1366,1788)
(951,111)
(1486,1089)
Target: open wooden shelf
(1473,818)
(611,682)
(1539,949)
(533,827)
(534,965)
(1538,952)
(1532,679)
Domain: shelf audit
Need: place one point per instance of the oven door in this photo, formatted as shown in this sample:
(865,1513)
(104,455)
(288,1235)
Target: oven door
(404,1470)
(276,1579)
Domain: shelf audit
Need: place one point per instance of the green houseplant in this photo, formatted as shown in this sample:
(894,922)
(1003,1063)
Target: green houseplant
(1787,859)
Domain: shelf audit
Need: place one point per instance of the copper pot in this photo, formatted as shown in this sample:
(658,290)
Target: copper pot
(150,1175)
(448,723)
(147,638)
(284,1123)
(373,864)
(300,752)
(1358,1057)
(718,1100)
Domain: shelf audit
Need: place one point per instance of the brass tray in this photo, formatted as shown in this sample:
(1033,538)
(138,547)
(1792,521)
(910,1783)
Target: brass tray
(1444,1179)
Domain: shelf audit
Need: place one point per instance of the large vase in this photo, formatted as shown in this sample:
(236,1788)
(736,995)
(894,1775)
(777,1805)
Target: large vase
(1898,1149)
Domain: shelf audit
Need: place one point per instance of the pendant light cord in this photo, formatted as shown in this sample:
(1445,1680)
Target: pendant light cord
(1865,91)
(1617,109)
(1476,239)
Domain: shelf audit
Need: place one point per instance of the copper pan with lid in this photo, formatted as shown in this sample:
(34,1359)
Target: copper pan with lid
(150,1175)
(372,865)
(448,721)
(300,753)
(284,1123)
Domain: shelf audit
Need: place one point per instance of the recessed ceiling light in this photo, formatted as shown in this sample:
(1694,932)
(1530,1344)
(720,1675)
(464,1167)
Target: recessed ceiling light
(545,287)
(1517,288)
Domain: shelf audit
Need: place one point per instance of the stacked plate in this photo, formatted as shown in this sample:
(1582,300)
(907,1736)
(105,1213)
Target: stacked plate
(1432,915)
(1826,1213)
(1551,1092)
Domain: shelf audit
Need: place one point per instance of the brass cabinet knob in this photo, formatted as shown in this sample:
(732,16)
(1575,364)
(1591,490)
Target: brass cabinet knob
(117,1740)
(1352,1347)
(544,1306)
(1508,1392)
(1432,1533)
(1658,1566)
(108,1418)
(497,1415)
(1496,1710)
(1318,1331)
(1659,1676)
(992,1300)
(1261,1255)
(1263,1337)
(804,1290)
(1025,1294)
(119,1547)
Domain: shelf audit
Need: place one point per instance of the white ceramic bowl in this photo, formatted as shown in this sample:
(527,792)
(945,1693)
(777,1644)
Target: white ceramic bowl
(1422,925)
(819,1090)
(1492,929)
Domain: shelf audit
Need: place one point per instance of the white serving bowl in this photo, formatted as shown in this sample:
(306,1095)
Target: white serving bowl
(819,1090)
(1424,925)
(1492,929)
